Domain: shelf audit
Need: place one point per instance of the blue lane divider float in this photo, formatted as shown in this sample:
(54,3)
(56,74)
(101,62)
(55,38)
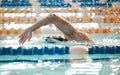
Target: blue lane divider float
(56,50)
(104,50)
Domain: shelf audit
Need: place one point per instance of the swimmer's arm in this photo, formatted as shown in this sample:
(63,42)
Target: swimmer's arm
(59,22)
(70,32)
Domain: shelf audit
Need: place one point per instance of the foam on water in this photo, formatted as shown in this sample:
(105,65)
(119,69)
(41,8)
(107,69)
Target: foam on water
(100,39)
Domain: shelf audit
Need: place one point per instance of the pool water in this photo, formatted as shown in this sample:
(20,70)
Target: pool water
(97,64)
(107,39)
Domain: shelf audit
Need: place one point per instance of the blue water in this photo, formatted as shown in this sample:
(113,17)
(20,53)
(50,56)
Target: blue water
(95,64)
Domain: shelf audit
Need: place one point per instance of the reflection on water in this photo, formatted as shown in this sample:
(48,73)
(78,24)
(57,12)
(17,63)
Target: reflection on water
(101,67)
(99,64)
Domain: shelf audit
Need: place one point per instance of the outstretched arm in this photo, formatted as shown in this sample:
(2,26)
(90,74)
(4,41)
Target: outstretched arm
(59,22)
(70,32)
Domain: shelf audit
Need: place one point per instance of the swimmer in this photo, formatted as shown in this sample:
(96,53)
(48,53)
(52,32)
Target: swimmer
(67,29)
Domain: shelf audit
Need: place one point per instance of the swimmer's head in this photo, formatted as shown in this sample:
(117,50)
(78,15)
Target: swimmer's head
(53,38)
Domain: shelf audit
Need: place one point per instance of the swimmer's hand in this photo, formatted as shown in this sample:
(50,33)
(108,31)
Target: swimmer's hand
(26,35)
